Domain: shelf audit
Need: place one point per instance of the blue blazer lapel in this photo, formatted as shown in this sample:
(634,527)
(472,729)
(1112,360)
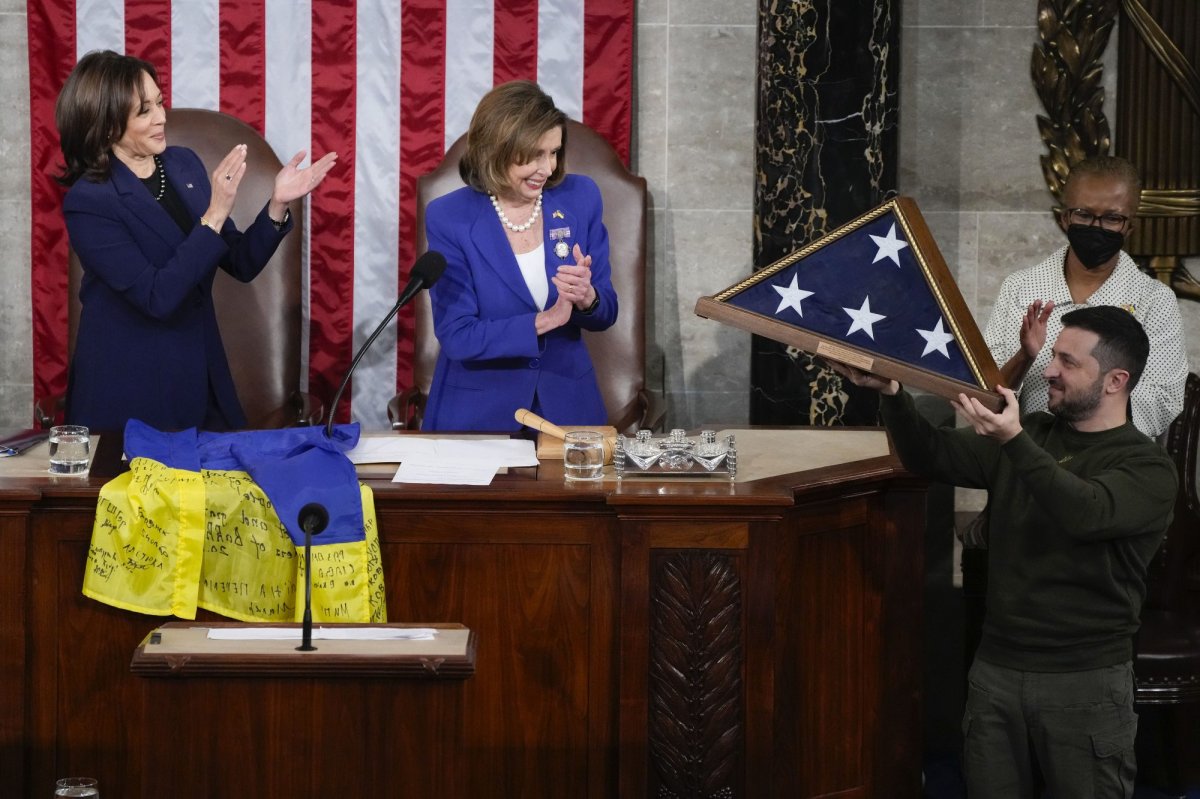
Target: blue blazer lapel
(189,183)
(559,225)
(489,237)
(141,206)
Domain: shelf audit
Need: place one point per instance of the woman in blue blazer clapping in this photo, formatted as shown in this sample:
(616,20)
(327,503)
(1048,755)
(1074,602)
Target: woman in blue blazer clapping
(526,272)
(151,231)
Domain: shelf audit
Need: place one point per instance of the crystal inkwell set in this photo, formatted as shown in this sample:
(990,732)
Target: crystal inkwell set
(675,455)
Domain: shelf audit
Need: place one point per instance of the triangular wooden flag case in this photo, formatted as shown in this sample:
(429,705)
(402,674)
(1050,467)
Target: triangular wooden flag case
(875,294)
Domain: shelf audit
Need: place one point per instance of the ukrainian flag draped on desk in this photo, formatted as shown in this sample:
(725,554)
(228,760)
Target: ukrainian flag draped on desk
(209,520)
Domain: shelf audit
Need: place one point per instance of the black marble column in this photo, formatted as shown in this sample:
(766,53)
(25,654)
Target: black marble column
(826,149)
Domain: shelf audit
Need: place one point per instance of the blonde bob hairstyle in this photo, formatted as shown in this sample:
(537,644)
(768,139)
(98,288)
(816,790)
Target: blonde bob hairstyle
(504,131)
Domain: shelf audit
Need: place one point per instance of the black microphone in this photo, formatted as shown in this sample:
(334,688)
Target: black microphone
(425,273)
(313,518)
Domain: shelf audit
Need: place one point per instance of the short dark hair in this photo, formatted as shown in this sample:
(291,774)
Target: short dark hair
(93,109)
(1123,343)
(1108,166)
(505,129)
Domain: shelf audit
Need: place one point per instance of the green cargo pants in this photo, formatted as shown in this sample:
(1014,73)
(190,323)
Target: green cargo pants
(1074,728)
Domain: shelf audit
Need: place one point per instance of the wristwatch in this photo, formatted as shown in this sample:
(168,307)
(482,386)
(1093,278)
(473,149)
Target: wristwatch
(595,302)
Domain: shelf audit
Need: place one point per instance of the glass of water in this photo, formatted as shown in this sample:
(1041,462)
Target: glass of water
(69,450)
(583,455)
(77,786)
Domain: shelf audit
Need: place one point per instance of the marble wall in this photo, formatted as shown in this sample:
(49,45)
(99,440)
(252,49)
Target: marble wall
(968,153)
(694,143)
(16,348)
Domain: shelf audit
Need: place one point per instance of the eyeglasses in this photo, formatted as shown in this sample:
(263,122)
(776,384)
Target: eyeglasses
(1082,216)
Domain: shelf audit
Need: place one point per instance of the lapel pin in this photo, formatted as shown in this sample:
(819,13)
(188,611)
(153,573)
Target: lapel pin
(558,215)
(561,249)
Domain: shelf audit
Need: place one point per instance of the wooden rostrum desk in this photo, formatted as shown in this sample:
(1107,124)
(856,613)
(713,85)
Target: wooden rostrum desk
(638,639)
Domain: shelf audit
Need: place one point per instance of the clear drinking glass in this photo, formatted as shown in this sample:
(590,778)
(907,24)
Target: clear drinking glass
(70,446)
(77,786)
(583,455)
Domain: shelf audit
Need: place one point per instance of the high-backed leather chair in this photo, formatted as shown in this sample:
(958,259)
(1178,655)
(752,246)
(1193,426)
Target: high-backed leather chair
(619,353)
(1167,651)
(260,321)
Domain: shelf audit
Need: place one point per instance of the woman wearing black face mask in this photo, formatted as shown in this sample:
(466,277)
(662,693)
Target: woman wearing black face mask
(1095,239)
(1100,200)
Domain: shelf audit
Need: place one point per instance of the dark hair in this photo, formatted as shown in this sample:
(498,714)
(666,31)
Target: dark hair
(1108,166)
(1123,343)
(93,109)
(505,129)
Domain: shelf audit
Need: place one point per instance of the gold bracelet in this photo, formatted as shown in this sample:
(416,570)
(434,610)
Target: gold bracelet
(204,221)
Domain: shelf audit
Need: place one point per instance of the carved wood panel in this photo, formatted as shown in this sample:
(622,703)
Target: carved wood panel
(697,733)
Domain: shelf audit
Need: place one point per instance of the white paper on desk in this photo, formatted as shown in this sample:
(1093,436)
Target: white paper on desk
(446,471)
(501,451)
(389,449)
(399,449)
(323,633)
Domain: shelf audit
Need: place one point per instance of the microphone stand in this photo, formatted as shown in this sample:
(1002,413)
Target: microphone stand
(425,273)
(358,356)
(312,518)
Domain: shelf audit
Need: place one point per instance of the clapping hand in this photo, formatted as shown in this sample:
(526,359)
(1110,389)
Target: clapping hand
(293,182)
(553,317)
(575,282)
(1033,327)
(225,181)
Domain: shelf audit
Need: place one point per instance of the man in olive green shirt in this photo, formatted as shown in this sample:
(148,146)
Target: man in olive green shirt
(1079,501)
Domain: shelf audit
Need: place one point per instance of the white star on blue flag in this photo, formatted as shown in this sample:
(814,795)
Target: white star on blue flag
(863,319)
(790,297)
(936,339)
(889,246)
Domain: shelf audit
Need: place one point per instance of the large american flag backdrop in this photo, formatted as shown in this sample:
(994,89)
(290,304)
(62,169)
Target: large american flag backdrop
(387,84)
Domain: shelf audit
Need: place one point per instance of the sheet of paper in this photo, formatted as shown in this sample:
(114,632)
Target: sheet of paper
(324,633)
(446,472)
(509,452)
(398,449)
(389,449)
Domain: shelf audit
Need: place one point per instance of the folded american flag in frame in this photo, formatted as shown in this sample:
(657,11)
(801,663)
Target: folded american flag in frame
(874,294)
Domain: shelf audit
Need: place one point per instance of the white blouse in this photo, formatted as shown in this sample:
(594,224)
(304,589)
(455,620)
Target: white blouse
(533,269)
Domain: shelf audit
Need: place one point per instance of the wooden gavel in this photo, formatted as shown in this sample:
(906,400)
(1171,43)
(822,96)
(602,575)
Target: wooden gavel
(608,435)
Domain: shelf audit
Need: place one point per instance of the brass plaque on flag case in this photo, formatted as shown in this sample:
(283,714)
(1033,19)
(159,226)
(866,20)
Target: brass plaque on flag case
(874,294)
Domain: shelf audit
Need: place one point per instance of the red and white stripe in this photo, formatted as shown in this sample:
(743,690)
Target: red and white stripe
(389,85)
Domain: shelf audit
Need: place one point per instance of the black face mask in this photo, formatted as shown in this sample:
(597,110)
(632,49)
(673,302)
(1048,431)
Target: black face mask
(1093,245)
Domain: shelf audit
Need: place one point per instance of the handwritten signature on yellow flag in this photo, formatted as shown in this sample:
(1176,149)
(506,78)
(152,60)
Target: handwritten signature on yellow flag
(167,541)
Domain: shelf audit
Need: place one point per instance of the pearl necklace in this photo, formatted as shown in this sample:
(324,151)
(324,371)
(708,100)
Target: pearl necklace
(162,179)
(537,209)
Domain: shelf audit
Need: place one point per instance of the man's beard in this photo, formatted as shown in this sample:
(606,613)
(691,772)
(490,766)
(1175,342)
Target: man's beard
(1078,405)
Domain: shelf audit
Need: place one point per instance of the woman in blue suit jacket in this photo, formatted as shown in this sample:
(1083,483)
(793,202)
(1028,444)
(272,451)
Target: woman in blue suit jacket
(515,297)
(150,232)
